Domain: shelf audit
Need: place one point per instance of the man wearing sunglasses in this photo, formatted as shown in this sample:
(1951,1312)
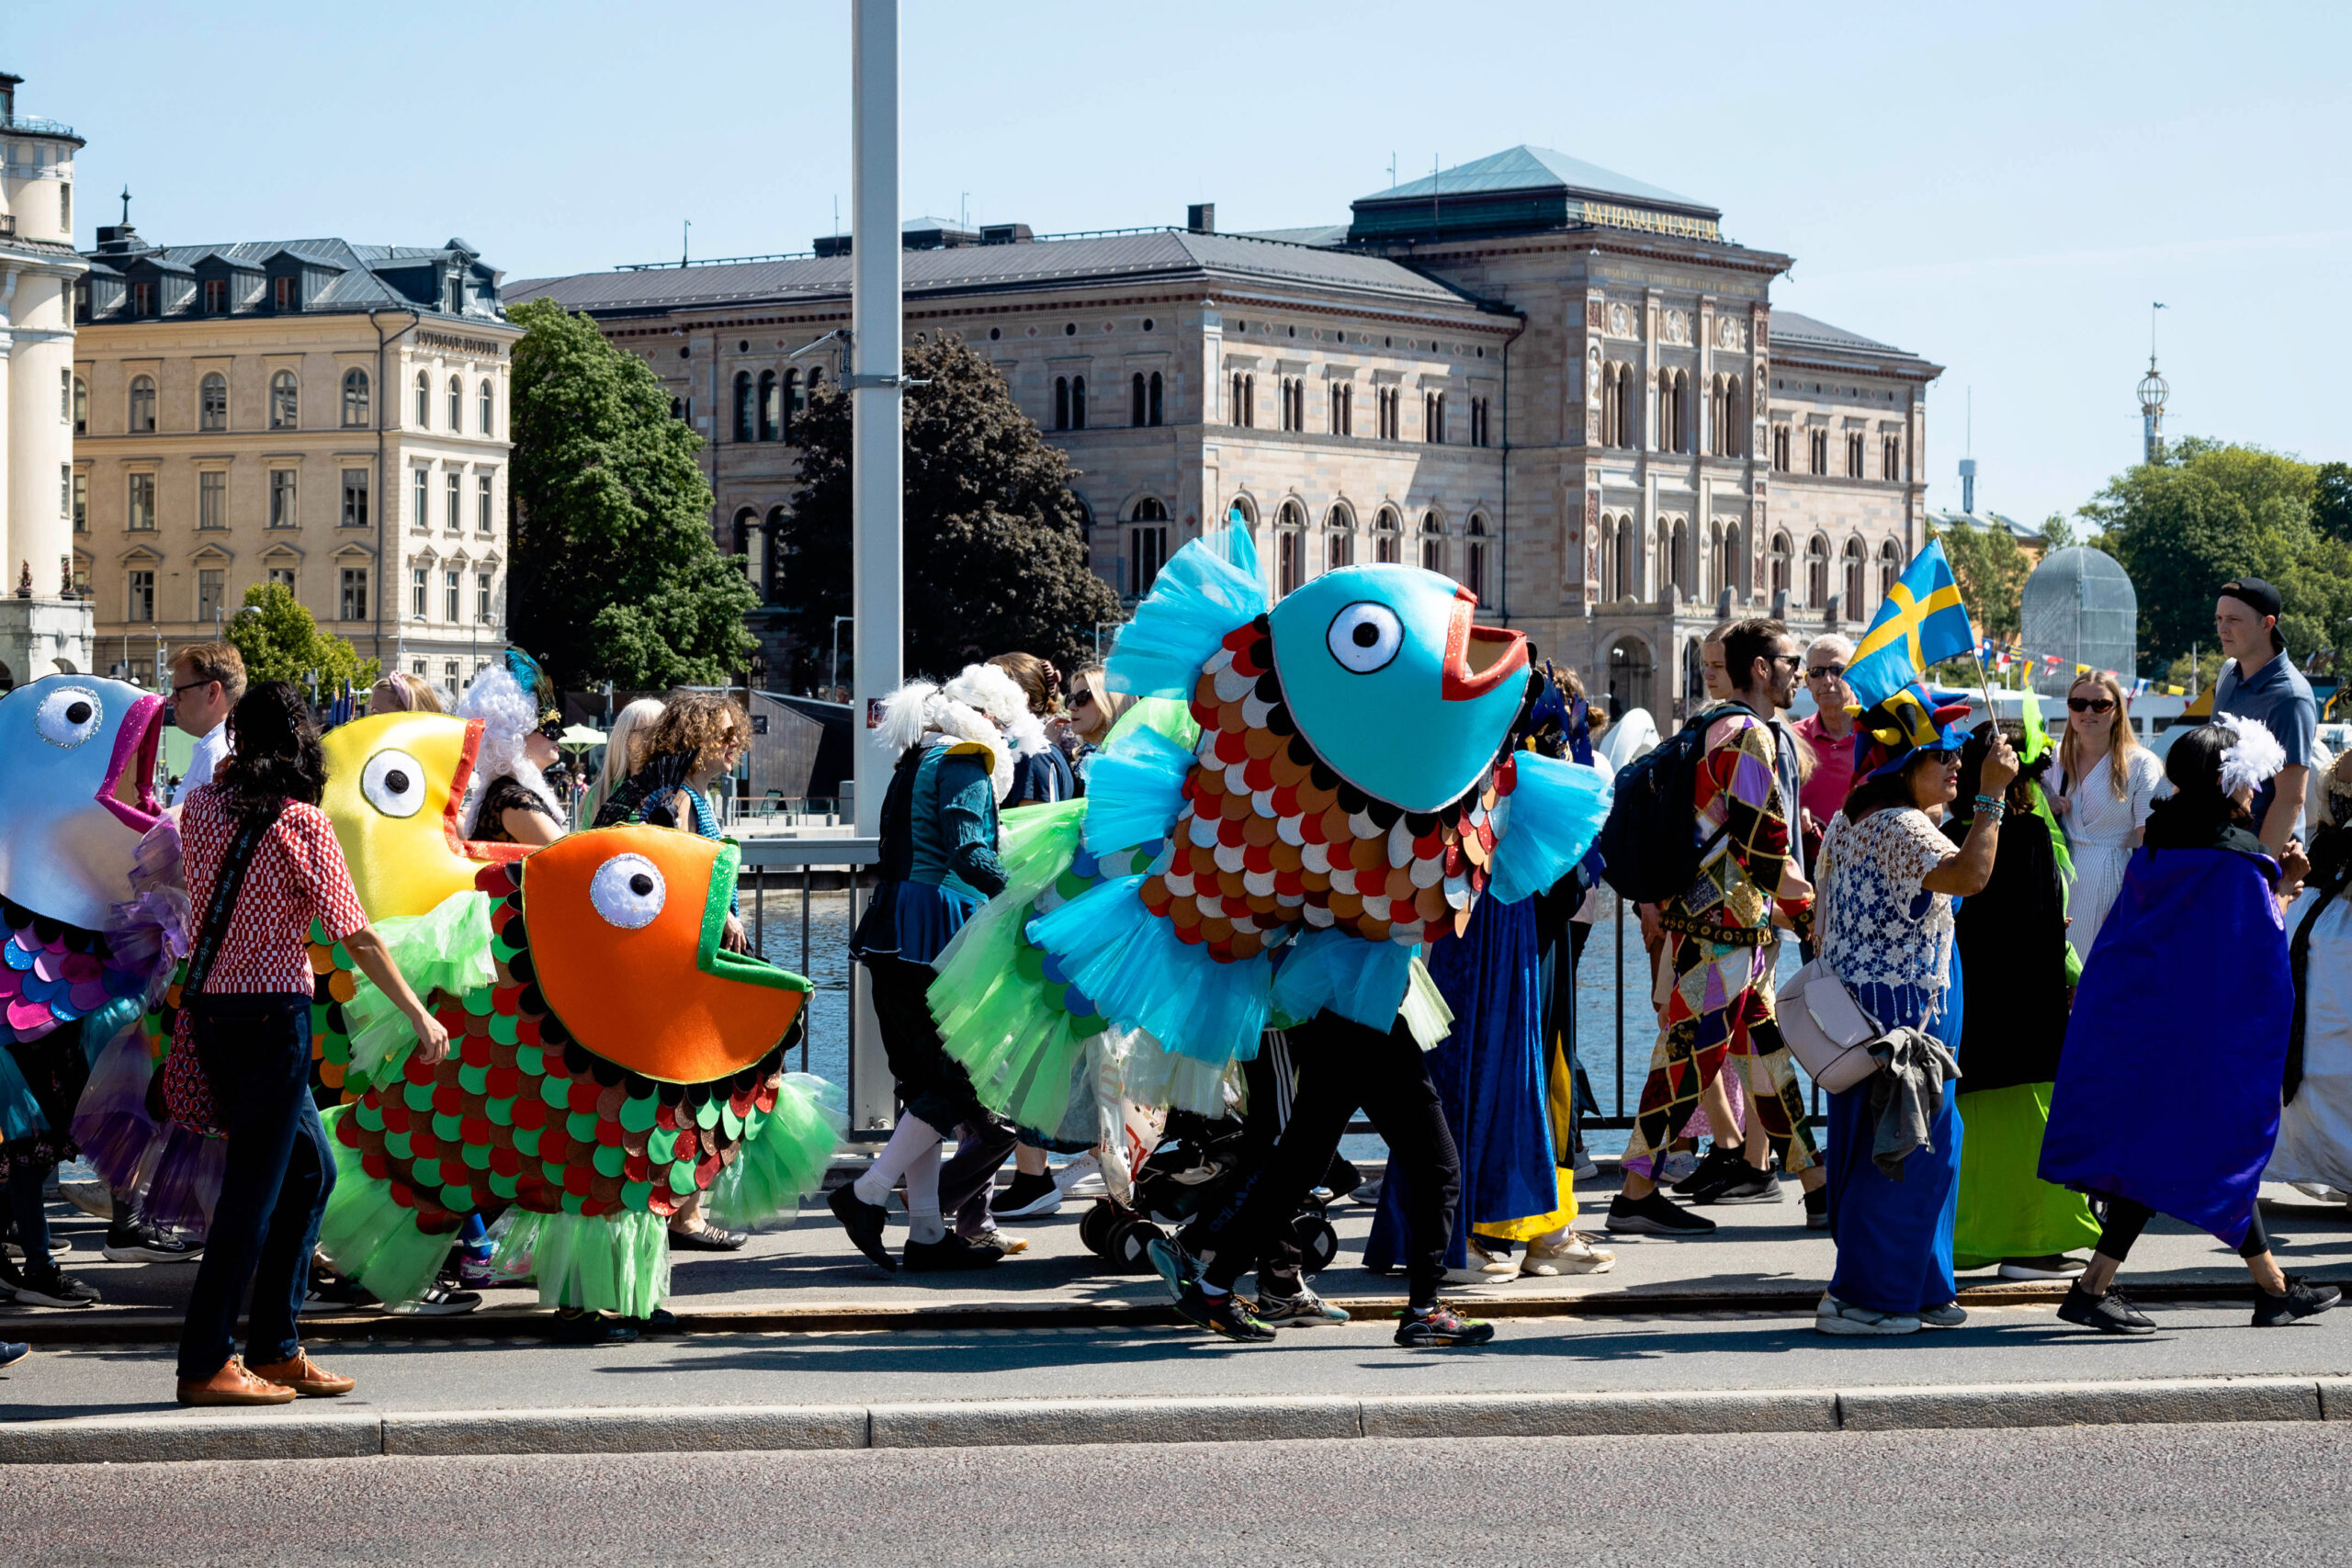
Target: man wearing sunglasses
(1829,730)
(2261,682)
(206,680)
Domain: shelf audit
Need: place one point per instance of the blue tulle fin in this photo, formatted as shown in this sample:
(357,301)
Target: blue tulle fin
(1135,791)
(1140,974)
(1206,589)
(1557,810)
(1337,971)
(20,1115)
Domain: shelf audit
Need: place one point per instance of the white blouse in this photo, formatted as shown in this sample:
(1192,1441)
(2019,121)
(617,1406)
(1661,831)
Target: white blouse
(2096,817)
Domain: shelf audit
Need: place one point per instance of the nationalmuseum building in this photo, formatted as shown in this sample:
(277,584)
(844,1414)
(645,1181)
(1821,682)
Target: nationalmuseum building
(1561,387)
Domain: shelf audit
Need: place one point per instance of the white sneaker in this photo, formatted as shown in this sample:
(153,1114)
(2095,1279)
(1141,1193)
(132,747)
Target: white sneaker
(2319,1190)
(1834,1317)
(79,1185)
(1675,1167)
(1492,1267)
(1082,1178)
(1575,1255)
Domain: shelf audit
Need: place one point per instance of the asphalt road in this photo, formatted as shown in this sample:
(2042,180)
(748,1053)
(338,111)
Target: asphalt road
(2082,1496)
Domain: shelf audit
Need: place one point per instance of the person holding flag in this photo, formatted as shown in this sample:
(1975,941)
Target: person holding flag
(1920,623)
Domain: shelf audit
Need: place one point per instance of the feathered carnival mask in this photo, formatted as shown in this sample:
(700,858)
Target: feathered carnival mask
(2253,758)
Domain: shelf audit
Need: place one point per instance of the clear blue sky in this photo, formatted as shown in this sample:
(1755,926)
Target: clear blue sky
(2004,188)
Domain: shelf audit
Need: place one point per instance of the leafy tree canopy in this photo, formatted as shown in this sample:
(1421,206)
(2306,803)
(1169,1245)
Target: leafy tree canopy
(615,576)
(1991,571)
(2212,511)
(994,544)
(279,641)
(2057,534)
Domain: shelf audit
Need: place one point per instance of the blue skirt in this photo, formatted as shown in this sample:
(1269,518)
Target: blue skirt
(1894,1237)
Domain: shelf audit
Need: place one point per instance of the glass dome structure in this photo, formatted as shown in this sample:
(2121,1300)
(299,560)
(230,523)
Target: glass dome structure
(2079,605)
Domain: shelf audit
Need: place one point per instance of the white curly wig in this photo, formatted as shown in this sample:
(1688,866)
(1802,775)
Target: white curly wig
(508,714)
(983,705)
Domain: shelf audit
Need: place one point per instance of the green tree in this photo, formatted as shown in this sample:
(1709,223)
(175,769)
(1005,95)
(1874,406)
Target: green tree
(2057,534)
(994,543)
(2332,501)
(279,641)
(2212,510)
(1991,571)
(615,576)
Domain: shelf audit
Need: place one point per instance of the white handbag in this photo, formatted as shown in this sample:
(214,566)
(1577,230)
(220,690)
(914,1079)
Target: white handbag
(1826,1030)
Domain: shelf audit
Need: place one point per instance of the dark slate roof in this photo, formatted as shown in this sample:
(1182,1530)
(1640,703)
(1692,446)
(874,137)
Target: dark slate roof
(1796,333)
(1534,168)
(355,286)
(1154,254)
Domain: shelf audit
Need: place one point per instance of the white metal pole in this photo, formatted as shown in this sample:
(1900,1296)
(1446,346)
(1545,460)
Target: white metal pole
(875,600)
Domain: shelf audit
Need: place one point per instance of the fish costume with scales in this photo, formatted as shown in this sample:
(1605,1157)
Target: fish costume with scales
(1340,793)
(617,1060)
(85,937)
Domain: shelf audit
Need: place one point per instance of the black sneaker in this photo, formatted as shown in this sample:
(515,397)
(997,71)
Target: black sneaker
(135,1241)
(12,1351)
(709,1238)
(53,1286)
(950,1252)
(864,1222)
(1029,1197)
(438,1300)
(1224,1314)
(332,1290)
(573,1326)
(1816,1209)
(1718,1163)
(2303,1299)
(2110,1313)
(1656,1214)
(1441,1324)
(1176,1268)
(1741,1183)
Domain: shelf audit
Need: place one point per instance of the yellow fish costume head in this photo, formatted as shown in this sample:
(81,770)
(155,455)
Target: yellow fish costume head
(396,792)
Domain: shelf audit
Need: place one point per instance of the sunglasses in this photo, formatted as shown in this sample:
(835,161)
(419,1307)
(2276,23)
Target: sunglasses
(1081,698)
(1824,673)
(2090,705)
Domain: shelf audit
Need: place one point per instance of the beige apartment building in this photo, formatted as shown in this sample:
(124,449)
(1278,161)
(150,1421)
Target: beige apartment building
(1564,387)
(326,415)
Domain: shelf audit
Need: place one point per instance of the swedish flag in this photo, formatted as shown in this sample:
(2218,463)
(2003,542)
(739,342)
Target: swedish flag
(1921,623)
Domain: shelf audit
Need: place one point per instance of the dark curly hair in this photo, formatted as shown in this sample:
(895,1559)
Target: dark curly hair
(274,754)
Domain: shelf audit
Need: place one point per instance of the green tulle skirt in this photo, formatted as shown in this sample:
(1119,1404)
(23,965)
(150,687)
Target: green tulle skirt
(2006,1211)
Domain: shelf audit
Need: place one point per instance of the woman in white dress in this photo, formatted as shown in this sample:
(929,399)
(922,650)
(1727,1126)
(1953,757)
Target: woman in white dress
(2107,784)
(2314,1147)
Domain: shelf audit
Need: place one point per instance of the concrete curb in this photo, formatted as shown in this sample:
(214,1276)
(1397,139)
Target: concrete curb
(308,1433)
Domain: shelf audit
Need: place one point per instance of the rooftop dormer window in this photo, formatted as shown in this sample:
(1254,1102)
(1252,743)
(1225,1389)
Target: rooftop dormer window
(285,293)
(142,298)
(453,294)
(216,296)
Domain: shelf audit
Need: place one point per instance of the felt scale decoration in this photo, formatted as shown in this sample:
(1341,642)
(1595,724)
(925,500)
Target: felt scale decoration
(1349,796)
(617,1062)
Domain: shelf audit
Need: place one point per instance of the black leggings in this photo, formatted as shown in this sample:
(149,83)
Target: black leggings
(2126,1220)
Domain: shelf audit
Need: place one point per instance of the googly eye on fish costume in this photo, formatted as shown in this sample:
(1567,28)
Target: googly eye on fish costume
(1339,792)
(616,1061)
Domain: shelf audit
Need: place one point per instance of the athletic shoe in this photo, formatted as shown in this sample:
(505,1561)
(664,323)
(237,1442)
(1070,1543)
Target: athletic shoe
(949,1253)
(1951,1315)
(79,1185)
(1745,1184)
(1224,1314)
(2301,1298)
(1082,1178)
(1176,1268)
(2110,1313)
(1369,1193)
(1575,1255)
(2050,1265)
(53,1286)
(1305,1310)
(333,1292)
(1678,1166)
(1816,1209)
(133,1240)
(1441,1324)
(439,1300)
(1586,1167)
(1656,1214)
(1719,1163)
(573,1326)
(864,1222)
(706,1238)
(2321,1190)
(1029,1197)
(1834,1317)
(12,1351)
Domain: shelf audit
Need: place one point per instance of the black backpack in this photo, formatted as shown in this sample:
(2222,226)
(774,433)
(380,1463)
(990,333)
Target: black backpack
(1646,850)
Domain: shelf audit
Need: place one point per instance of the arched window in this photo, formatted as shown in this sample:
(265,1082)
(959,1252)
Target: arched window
(1816,573)
(81,407)
(1136,399)
(354,398)
(1627,557)
(423,400)
(285,405)
(1078,403)
(1629,674)
(143,404)
(212,401)
(1628,417)
(1387,536)
(1678,561)
(1604,584)
(772,570)
(1613,408)
(1339,539)
(1156,408)
(1061,402)
(1854,445)
(1147,545)
(794,400)
(1289,548)
(1473,558)
(1854,576)
(1673,411)
(1432,543)
(744,429)
(815,377)
(1784,555)
(1736,420)
(1241,513)
(746,543)
(770,417)
(1717,421)
(1726,572)
(486,411)
(1890,567)
(1244,409)
(457,406)
(1694,676)
(1343,408)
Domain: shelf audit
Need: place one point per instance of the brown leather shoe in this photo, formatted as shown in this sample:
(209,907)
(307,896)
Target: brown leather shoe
(306,1378)
(232,1384)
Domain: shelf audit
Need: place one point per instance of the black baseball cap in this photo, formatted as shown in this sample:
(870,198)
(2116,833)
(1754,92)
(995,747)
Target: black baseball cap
(2262,598)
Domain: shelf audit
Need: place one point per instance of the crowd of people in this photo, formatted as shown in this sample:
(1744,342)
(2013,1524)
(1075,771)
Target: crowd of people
(2154,954)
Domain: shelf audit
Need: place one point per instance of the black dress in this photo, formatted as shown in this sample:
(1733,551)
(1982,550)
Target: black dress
(506,794)
(2012,940)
